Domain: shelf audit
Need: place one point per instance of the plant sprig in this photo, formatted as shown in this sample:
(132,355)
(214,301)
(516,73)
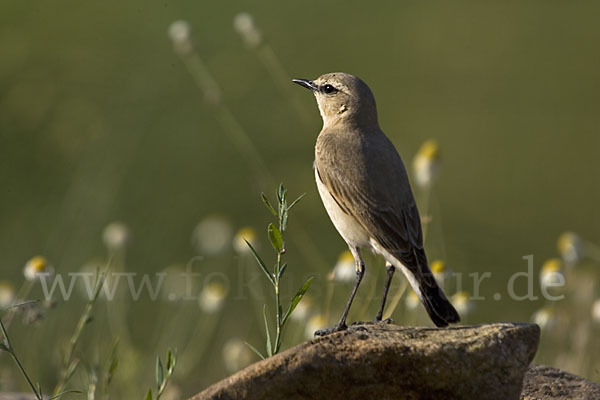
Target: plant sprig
(70,361)
(275,234)
(162,375)
(6,345)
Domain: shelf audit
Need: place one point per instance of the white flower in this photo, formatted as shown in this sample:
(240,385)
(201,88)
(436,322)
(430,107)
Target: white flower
(303,309)
(7,294)
(116,236)
(212,235)
(212,297)
(315,323)
(236,355)
(551,277)
(596,311)
(412,300)
(438,269)
(463,304)
(174,284)
(90,273)
(570,246)
(239,240)
(544,317)
(345,269)
(180,34)
(243,24)
(35,267)
(426,164)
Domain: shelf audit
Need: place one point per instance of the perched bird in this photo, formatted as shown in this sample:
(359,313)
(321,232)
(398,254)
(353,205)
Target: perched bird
(364,187)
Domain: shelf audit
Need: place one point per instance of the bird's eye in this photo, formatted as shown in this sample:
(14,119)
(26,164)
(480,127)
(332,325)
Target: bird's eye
(328,89)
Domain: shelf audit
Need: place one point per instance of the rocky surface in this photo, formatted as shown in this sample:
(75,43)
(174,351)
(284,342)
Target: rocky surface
(392,362)
(545,383)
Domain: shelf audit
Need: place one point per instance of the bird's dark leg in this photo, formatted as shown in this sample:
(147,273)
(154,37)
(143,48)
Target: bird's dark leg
(390,273)
(360,271)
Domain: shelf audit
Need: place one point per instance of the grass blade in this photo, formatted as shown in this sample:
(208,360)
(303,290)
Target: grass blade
(299,294)
(269,348)
(282,270)
(296,201)
(261,263)
(254,349)
(160,374)
(268,204)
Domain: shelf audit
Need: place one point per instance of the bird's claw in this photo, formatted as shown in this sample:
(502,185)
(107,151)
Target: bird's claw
(325,332)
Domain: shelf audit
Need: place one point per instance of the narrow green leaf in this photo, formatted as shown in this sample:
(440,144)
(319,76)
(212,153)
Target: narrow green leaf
(261,263)
(149,395)
(171,361)
(275,238)
(281,193)
(71,369)
(268,204)
(20,304)
(284,220)
(282,270)
(160,374)
(112,362)
(5,344)
(255,350)
(99,284)
(111,370)
(296,201)
(299,294)
(269,349)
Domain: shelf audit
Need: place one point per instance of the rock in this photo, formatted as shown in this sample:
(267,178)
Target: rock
(392,362)
(545,383)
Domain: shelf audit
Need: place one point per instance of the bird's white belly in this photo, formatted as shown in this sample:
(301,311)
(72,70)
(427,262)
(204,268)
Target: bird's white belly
(350,230)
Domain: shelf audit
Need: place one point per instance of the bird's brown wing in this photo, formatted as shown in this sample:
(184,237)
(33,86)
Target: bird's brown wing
(369,182)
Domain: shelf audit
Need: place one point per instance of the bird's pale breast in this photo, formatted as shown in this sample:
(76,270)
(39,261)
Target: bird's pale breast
(347,226)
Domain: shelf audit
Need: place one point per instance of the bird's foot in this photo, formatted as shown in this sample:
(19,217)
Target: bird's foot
(325,332)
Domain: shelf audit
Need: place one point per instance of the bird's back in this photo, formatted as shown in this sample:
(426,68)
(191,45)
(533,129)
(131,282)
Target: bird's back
(366,174)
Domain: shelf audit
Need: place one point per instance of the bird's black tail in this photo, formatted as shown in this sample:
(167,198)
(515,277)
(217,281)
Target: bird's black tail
(440,310)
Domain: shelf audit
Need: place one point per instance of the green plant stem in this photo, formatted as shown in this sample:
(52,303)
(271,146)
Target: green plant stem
(278,305)
(281,78)
(240,138)
(11,351)
(212,93)
(69,363)
(396,299)
(29,382)
(20,297)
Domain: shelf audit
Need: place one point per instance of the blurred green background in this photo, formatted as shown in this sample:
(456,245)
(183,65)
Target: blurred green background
(101,121)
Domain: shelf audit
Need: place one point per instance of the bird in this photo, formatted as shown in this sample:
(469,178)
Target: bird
(363,184)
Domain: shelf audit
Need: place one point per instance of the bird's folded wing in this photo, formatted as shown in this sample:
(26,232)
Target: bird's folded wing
(390,218)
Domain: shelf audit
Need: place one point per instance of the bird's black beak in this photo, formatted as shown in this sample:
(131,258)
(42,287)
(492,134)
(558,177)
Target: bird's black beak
(306,83)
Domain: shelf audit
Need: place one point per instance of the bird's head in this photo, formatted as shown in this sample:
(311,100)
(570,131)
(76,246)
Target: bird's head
(342,98)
